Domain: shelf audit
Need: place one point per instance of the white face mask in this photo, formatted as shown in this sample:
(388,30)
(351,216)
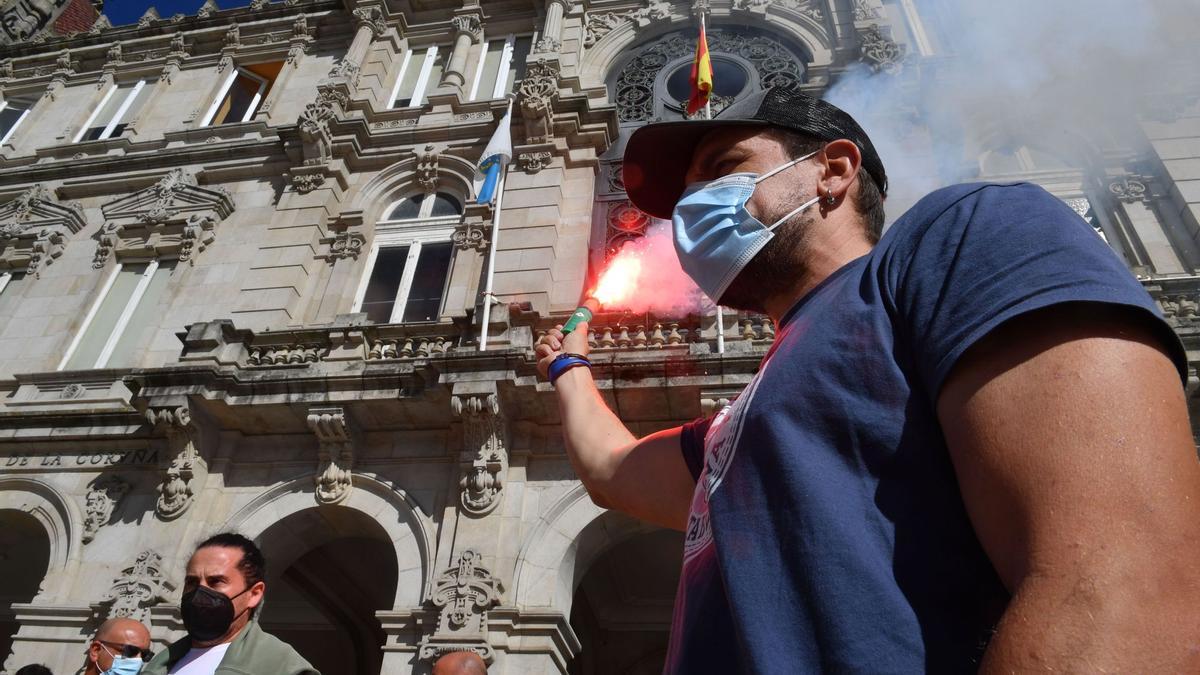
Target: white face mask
(715,235)
(122,665)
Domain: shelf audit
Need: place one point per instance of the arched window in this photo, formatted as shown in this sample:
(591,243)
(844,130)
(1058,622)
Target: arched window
(408,267)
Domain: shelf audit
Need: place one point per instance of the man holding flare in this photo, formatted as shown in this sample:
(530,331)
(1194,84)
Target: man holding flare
(968,447)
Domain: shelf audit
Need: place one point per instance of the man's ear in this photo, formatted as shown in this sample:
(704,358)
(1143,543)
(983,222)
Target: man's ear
(842,161)
(256,594)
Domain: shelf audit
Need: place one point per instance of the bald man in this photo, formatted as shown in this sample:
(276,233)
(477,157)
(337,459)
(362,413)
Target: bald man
(117,643)
(460,663)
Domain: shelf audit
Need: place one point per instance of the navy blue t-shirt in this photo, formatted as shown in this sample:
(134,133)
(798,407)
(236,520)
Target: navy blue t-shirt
(827,532)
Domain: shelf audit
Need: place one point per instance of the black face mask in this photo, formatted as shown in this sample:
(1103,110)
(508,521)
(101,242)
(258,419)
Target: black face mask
(207,614)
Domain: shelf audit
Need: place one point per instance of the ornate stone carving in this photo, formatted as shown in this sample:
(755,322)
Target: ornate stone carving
(257,5)
(776,64)
(102,500)
(209,8)
(63,61)
(756,6)
(175,493)
(346,244)
(880,52)
(484,431)
(102,24)
(6,69)
(233,37)
(314,124)
(372,18)
(470,234)
(537,93)
(469,24)
(140,587)
(867,10)
(25,20)
(427,167)
(34,228)
(300,26)
(596,26)
(463,593)
(344,69)
(178,45)
(1130,189)
(336,452)
(148,18)
(547,45)
(533,162)
(115,54)
(305,183)
(72,391)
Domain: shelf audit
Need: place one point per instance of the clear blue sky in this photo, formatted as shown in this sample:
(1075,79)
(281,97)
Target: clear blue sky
(121,12)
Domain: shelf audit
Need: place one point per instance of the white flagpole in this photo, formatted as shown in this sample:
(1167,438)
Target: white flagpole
(488,296)
(708,116)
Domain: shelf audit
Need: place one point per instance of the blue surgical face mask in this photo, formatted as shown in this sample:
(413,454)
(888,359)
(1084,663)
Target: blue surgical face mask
(123,665)
(715,235)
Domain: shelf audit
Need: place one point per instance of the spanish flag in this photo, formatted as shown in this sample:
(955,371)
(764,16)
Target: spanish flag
(702,75)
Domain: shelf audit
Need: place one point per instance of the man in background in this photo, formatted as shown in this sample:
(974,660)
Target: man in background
(121,647)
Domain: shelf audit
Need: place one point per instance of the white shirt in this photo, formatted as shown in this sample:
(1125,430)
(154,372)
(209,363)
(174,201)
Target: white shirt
(200,660)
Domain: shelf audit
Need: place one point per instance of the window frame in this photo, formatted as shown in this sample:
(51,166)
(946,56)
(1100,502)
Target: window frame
(422,83)
(510,42)
(255,102)
(8,134)
(413,233)
(123,318)
(122,110)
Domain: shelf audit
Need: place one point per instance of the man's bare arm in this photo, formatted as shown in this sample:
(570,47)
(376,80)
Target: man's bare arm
(1069,434)
(646,478)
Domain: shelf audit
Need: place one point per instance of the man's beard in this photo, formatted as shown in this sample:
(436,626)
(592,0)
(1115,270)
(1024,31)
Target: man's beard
(776,268)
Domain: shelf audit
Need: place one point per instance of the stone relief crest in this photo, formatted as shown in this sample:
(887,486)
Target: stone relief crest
(101,502)
(776,65)
(537,92)
(176,492)
(463,593)
(140,587)
(880,52)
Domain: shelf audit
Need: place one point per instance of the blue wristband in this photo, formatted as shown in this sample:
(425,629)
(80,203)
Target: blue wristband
(562,365)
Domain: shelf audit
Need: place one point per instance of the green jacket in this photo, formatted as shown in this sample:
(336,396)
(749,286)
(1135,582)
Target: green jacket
(252,652)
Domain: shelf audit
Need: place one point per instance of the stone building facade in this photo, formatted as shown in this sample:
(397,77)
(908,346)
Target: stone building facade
(242,280)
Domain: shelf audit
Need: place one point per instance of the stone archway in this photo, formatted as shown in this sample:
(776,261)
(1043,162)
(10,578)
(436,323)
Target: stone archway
(24,562)
(623,603)
(324,600)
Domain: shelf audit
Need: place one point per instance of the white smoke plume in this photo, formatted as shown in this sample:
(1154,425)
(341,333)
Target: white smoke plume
(1056,75)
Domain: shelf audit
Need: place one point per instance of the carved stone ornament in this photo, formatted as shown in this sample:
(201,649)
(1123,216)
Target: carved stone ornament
(469,24)
(174,219)
(34,230)
(6,69)
(470,234)
(533,162)
(27,19)
(536,94)
(547,45)
(879,51)
(305,183)
(178,46)
(209,8)
(701,8)
(372,18)
(756,6)
(1130,189)
(314,122)
(102,24)
(233,37)
(867,10)
(427,167)
(256,5)
(484,431)
(335,452)
(344,69)
(176,492)
(140,587)
(148,18)
(300,26)
(102,500)
(463,593)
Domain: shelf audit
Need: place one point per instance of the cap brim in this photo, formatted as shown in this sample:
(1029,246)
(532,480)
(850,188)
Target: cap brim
(657,158)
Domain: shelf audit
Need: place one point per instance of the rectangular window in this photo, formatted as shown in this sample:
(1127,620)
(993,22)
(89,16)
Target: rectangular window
(503,63)
(9,289)
(12,113)
(241,94)
(117,322)
(407,283)
(119,105)
(420,72)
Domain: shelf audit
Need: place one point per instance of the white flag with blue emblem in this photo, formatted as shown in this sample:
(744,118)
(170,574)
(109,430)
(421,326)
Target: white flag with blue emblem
(496,155)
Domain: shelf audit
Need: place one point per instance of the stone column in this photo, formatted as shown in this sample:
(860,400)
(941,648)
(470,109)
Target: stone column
(371,26)
(551,39)
(467,29)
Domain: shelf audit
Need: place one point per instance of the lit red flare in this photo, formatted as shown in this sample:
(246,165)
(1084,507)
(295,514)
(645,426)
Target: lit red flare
(618,282)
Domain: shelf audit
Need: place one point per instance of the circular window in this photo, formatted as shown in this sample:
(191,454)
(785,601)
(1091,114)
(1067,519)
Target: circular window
(729,79)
